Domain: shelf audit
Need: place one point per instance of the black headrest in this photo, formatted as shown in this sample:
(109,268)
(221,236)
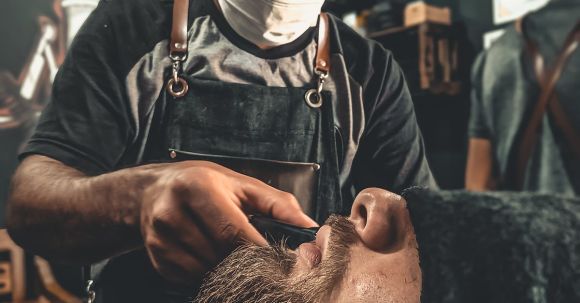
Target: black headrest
(497,247)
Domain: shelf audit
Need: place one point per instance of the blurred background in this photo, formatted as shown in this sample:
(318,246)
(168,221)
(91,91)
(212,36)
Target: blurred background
(436,43)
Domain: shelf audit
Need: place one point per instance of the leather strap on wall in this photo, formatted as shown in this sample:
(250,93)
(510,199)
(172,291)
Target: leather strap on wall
(323,52)
(547,81)
(178,47)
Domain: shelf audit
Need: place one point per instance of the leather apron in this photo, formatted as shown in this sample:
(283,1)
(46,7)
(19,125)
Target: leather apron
(282,136)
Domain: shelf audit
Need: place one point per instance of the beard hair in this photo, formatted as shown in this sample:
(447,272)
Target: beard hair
(263,274)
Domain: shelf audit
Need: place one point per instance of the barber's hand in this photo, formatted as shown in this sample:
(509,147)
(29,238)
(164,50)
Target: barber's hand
(195,214)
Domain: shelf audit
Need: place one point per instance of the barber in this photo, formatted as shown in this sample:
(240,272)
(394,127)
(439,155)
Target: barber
(171,121)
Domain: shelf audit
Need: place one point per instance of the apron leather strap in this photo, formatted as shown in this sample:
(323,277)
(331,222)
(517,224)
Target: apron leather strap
(178,47)
(323,52)
(547,81)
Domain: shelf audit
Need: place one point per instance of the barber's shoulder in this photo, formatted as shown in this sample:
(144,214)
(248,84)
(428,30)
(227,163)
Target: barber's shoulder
(361,55)
(132,13)
(350,42)
(129,28)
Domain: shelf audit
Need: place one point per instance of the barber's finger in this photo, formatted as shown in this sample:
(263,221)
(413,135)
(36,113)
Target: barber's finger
(173,222)
(226,222)
(174,264)
(257,195)
(190,237)
(249,233)
(235,229)
(198,244)
(278,204)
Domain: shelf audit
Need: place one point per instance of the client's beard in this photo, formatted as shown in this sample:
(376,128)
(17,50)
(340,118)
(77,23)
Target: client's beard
(263,274)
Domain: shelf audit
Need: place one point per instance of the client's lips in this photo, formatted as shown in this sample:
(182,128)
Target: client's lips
(310,253)
(314,252)
(322,238)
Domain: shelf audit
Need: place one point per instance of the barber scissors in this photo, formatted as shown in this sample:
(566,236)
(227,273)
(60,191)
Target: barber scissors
(279,232)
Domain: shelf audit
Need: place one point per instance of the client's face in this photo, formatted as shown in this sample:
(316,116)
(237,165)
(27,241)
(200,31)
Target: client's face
(369,257)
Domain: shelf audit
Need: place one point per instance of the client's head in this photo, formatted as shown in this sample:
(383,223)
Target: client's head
(370,256)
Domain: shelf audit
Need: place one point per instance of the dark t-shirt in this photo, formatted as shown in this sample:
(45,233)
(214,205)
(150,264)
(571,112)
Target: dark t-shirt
(103,107)
(505,91)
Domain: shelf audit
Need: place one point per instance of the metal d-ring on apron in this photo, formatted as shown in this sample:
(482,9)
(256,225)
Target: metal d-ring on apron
(313,96)
(177,86)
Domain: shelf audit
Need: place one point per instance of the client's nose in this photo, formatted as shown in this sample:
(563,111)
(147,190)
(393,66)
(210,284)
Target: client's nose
(381,219)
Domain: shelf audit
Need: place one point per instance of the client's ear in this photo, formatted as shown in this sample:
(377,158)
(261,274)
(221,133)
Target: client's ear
(381,219)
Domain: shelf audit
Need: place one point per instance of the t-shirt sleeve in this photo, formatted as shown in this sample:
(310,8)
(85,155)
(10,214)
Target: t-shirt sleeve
(391,154)
(478,123)
(88,123)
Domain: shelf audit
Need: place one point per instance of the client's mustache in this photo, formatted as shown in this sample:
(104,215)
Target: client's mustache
(263,274)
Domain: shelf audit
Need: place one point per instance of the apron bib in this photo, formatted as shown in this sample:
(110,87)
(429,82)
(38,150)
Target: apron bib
(268,133)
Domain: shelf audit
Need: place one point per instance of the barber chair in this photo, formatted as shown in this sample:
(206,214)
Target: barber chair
(28,280)
(497,247)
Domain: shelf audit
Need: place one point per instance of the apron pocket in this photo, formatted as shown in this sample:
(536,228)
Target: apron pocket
(297,178)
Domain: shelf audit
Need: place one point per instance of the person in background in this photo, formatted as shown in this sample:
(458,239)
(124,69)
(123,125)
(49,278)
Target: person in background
(525,116)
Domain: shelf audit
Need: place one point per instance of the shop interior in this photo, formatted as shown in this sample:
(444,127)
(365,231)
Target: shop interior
(439,45)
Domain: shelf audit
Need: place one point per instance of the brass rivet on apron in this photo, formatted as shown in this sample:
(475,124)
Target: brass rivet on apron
(173,154)
(322,63)
(316,166)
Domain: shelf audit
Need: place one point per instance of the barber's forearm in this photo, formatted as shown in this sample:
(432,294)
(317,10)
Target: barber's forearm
(57,212)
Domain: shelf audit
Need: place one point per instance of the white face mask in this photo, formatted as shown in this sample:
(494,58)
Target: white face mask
(268,23)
